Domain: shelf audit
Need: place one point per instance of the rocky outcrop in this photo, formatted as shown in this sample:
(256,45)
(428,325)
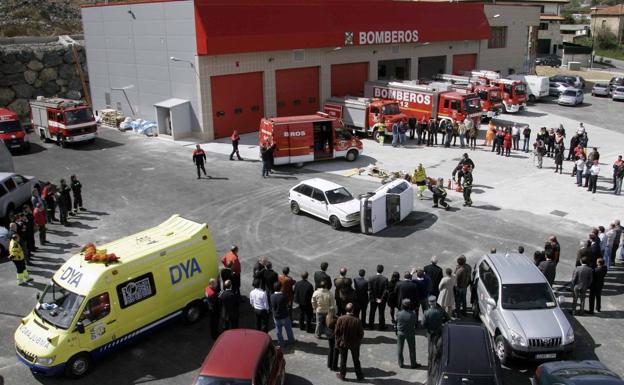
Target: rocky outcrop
(27,71)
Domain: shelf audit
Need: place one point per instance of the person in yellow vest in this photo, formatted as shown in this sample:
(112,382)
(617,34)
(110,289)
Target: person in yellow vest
(419,178)
(381,129)
(16,254)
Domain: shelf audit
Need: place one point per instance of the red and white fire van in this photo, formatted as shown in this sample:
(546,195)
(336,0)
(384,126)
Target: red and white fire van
(11,131)
(307,138)
(62,120)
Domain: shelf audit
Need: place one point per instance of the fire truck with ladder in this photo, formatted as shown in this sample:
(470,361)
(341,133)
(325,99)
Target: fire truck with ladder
(490,96)
(514,92)
(364,114)
(63,120)
(437,101)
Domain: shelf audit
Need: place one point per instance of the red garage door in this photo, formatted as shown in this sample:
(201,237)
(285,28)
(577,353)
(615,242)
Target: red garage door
(237,103)
(348,79)
(297,91)
(462,63)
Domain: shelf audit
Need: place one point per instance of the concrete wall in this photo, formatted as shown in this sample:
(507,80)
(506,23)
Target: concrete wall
(131,45)
(515,54)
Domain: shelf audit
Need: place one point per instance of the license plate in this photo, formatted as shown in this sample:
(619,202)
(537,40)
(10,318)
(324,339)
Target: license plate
(545,356)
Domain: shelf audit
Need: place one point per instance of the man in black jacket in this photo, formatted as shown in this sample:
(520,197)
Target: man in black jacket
(229,302)
(269,278)
(406,289)
(279,308)
(434,272)
(214,307)
(361,295)
(302,295)
(378,295)
(199,157)
(595,290)
(321,275)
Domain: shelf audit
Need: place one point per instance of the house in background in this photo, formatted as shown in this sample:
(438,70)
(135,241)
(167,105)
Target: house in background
(608,19)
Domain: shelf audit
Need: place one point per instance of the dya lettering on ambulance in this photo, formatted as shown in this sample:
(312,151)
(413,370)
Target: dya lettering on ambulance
(71,276)
(184,270)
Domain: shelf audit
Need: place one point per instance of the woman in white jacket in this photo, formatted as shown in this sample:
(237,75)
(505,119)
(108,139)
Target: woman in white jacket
(446,299)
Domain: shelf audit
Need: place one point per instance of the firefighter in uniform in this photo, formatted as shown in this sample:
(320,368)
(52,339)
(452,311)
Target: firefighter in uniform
(199,157)
(439,194)
(16,254)
(76,188)
(419,178)
(381,130)
(467,186)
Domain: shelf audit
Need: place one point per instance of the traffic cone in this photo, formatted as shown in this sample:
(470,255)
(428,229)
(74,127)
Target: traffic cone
(458,188)
(448,186)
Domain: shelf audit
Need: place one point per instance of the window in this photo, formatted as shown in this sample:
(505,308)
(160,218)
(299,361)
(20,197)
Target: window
(136,290)
(2,190)
(498,37)
(318,195)
(455,105)
(374,110)
(446,103)
(541,9)
(339,195)
(489,279)
(304,189)
(20,180)
(543,26)
(10,184)
(97,308)
(50,115)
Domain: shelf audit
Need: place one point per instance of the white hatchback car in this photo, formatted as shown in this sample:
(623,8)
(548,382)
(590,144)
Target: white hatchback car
(326,200)
(571,97)
(617,93)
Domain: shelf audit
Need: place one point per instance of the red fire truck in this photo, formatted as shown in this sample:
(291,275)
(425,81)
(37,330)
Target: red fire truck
(307,138)
(11,131)
(437,101)
(491,102)
(62,120)
(514,92)
(364,114)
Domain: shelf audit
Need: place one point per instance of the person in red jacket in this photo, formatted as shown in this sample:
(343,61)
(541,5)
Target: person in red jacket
(232,256)
(507,142)
(40,221)
(235,139)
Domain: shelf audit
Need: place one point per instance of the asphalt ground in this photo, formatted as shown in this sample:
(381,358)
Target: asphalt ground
(132,183)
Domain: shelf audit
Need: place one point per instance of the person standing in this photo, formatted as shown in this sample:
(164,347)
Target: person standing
(393,297)
(489,135)
(593,176)
(361,296)
(595,289)
(333,353)
(432,138)
(342,285)
(199,157)
(279,307)
(467,186)
(580,170)
(16,255)
(559,153)
(526,134)
(435,318)
(349,334)
(29,223)
(402,133)
(423,286)
(515,137)
(381,132)
(269,279)
(616,241)
(302,295)
(412,123)
(76,188)
(619,177)
(407,289)
(406,331)
(265,155)
(232,256)
(63,200)
(420,179)
(35,198)
(214,307)
(446,289)
(260,305)
(235,139)
(323,302)
(47,193)
(395,133)
(322,275)
(539,150)
(581,281)
(435,274)
(463,274)
(616,166)
(548,268)
(229,302)
(378,295)
(287,283)
(507,139)
(462,134)
(40,221)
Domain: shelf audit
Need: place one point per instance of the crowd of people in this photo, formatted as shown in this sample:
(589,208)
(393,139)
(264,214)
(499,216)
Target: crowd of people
(426,132)
(35,216)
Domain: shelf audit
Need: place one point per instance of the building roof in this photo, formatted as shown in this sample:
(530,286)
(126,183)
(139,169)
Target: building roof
(552,18)
(573,27)
(235,354)
(515,268)
(615,10)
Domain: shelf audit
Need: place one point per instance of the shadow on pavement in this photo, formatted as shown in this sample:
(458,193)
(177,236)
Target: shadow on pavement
(35,148)
(415,221)
(293,379)
(99,144)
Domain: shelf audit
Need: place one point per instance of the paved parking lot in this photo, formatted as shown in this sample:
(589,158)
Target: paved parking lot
(132,183)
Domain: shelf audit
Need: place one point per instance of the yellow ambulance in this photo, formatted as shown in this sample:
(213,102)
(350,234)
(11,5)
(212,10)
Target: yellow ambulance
(91,308)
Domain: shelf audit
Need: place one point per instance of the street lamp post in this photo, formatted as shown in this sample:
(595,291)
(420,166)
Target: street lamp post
(175,59)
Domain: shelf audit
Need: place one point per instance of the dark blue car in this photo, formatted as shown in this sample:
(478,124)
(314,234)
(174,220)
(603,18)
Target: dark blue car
(575,373)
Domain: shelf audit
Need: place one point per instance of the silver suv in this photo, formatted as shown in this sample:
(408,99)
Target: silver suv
(519,309)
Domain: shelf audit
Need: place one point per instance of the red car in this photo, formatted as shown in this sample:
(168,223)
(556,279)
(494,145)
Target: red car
(243,357)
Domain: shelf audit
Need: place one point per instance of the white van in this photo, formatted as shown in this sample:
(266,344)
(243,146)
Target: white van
(537,86)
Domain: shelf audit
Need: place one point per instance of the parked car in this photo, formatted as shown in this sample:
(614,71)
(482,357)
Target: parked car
(449,365)
(519,309)
(575,373)
(556,88)
(600,89)
(242,357)
(616,82)
(326,200)
(4,241)
(15,190)
(552,61)
(617,93)
(575,81)
(570,97)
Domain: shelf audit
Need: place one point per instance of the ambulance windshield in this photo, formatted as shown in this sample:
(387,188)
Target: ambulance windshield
(58,306)
(82,115)
(9,126)
(390,109)
(339,195)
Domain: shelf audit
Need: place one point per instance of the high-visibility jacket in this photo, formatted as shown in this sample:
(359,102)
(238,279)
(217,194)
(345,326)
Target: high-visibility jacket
(15,251)
(419,175)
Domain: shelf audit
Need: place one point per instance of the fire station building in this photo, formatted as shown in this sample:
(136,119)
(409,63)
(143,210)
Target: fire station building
(201,68)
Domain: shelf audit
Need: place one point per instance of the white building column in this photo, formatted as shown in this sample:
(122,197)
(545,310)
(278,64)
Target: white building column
(373,66)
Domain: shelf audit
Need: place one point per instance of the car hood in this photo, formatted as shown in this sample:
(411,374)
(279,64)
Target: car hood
(567,97)
(589,380)
(542,323)
(349,207)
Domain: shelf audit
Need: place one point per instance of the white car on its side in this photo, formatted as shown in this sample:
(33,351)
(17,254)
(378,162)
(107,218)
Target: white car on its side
(326,200)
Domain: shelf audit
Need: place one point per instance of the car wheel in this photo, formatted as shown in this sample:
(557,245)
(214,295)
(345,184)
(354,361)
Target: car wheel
(78,365)
(532,98)
(192,312)
(334,222)
(294,208)
(376,136)
(351,155)
(501,349)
